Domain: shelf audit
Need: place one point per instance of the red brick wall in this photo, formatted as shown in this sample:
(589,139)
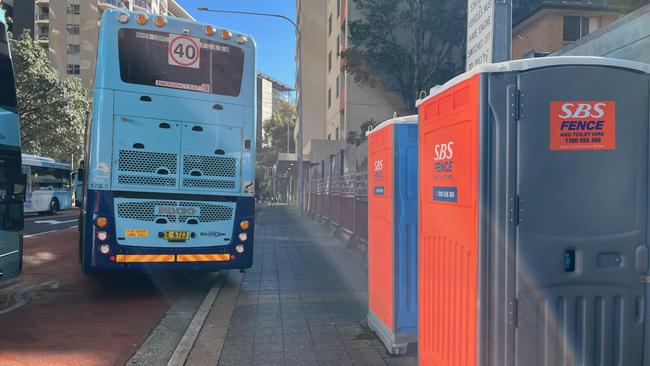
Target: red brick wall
(543,33)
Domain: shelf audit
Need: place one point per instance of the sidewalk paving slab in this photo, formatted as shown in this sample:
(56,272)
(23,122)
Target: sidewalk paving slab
(304,302)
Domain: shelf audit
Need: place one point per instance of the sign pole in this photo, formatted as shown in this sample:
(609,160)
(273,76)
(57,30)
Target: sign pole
(502,31)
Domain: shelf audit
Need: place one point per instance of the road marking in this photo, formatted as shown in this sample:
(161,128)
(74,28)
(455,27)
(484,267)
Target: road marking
(192,332)
(22,297)
(37,234)
(54,222)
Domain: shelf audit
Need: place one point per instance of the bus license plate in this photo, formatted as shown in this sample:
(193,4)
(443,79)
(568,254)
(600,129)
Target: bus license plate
(174,235)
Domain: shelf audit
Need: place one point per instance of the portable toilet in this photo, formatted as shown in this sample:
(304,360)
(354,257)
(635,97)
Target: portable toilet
(534,215)
(392,234)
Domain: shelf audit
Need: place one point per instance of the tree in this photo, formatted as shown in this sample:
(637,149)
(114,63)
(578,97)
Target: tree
(356,137)
(52,109)
(407,46)
(274,142)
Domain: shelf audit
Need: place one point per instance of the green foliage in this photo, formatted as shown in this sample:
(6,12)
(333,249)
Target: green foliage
(274,142)
(356,137)
(407,46)
(52,109)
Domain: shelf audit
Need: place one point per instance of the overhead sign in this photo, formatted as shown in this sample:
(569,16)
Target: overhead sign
(480,32)
(184,51)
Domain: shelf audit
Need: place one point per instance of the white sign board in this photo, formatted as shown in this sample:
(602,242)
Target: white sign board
(184,51)
(480,32)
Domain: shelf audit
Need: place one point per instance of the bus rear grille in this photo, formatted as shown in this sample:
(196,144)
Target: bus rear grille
(146,181)
(146,211)
(208,183)
(210,165)
(147,162)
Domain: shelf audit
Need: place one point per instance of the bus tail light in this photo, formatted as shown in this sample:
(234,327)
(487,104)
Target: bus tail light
(244,225)
(101,222)
(123,18)
(142,19)
(210,30)
(239,248)
(243,236)
(226,34)
(241,39)
(102,235)
(160,21)
(104,249)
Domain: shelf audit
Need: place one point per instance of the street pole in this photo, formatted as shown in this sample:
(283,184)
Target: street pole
(502,31)
(299,125)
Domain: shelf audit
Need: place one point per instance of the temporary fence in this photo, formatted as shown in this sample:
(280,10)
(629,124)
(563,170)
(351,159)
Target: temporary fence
(337,191)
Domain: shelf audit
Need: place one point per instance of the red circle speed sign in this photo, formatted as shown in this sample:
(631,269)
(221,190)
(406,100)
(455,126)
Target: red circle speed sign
(184,51)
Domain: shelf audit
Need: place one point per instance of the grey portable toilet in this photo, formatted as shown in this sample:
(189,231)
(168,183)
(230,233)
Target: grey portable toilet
(533,227)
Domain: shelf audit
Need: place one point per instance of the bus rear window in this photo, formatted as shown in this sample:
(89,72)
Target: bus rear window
(173,61)
(7,82)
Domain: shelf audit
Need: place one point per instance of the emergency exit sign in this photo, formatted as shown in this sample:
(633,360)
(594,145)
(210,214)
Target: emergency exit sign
(480,32)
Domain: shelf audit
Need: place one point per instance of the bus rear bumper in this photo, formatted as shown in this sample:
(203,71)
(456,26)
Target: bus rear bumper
(177,258)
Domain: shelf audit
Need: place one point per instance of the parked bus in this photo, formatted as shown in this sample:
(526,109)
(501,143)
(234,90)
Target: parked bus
(170,152)
(48,185)
(12,181)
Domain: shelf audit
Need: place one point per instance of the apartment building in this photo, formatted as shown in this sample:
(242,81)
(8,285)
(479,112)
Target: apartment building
(270,93)
(551,25)
(311,52)
(68,29)
(347,105)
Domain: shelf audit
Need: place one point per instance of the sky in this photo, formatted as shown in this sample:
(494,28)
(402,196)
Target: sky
(275,37)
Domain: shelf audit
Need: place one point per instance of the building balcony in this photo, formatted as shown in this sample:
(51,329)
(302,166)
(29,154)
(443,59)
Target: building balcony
(42,18)
(142,5)
(42,2)
(43,38)
(111,4)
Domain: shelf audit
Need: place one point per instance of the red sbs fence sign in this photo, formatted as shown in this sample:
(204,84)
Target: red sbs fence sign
(184,51)
(583,125)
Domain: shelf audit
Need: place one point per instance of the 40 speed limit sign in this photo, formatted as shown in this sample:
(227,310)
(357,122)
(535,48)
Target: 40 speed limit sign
(184,51)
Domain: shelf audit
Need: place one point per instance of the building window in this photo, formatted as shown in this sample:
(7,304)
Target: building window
(74,9)
(338,8)
(73,49)
(337,133)
(329,62)
(73,69)
(330,25)
(329,97)
(73,29)
(576,27)
(329,137)
(338,45)
(338,86)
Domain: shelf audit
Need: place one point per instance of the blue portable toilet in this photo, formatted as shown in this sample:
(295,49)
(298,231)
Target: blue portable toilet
(392,234)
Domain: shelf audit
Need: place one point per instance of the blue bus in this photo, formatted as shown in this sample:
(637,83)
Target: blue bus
(12,181)
(48,185)
(170,152)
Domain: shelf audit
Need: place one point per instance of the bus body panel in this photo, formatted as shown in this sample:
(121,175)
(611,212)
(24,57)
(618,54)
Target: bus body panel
(162,160)
(11,205)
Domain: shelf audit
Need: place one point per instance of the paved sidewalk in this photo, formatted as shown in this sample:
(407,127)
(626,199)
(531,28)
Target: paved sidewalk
(304,302)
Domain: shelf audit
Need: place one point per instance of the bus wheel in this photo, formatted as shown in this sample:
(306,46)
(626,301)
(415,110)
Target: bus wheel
(54,206)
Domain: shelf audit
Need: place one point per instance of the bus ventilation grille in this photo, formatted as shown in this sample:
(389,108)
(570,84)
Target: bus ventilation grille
(210,165)
(206,183)
(146,211)
(147,162)
(146,181)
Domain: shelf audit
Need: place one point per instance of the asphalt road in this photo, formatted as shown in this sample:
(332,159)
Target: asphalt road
(37,224)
